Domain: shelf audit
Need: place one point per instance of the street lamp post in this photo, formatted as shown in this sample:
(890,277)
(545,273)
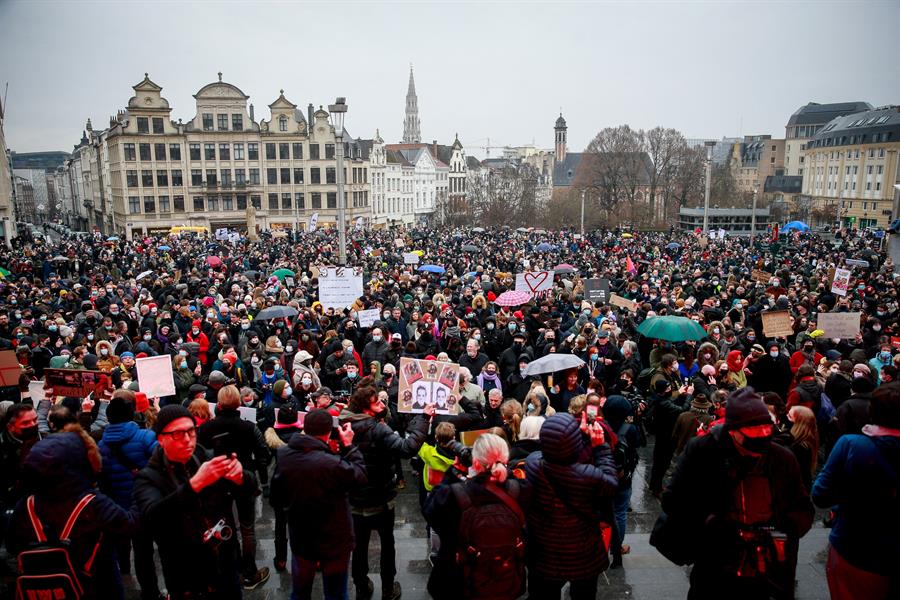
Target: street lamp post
(753,216)
(582,214)
(709,146)
(338,110)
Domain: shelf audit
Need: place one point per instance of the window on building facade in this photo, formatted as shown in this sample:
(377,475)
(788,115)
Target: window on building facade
(298,175)
(144,151)
(254,176)
(314,151)
(270,151)
(158,125)
(129,152)
(285,175)
(211,179)
(147,178)
(329,151)
(194,151)
(329,175)
(252,151)
(242,201)
(198,203)
(273,201)
(298,150)
(196,177)
(282,123)
(284,151)
(223,122)
(164,204)
(331,199)
(301,202)
(240,176)
(225,174)
(285,201)
(143,124)
(159,152)
(879,169)
(315,175)
(224,151)
(149,204)
(256,201)
(176,178)
(238,152)
(237,122)
(272,176)
(212,203)
(316,199)
(881,153)
(227,202)
(162,178)
(207,122)
(174,151)
(134,205)
(209,151)
(178,203)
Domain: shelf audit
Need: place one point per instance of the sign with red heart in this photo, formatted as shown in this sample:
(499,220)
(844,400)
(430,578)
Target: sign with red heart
(534,281)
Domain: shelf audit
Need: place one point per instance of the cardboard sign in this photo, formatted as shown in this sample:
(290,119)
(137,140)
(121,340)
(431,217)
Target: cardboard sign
(77,383)
(534,281)
(760,276)
(367,317)
(596,290)
(410,258)
(839,325)
(841,283)
(616,300)
(155,376)
(468,437)
(340,287)
(777,324)
(428,382)
(10,369)
(399,243)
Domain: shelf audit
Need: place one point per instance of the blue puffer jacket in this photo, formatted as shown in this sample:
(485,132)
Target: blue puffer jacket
(135,445)
(862,480)
(563,521)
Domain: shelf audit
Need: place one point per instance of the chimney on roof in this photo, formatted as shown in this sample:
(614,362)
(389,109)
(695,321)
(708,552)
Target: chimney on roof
(434,148)
(251,112)
(309,114)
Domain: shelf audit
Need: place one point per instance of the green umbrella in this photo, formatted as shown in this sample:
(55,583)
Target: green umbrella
(282,273)
(671,328)
(4,272)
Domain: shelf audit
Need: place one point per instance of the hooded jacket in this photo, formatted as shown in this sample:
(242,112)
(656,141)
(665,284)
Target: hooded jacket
(568,496)
(124,447)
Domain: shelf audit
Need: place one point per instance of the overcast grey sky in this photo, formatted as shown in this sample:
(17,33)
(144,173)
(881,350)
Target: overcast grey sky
(498,70)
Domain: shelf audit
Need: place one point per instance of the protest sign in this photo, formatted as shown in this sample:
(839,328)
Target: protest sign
(596,290)
(428,382)
(844,325)
(777,324)
(895,342)
(759,276)
(78,383)
(367,317)
(247,413)
(534,281)
(313,221)
(410,258)
(857,263)
(340,287)
(10,369)
(399,243)
(36,391)
(222,233)
(621,302)
(841,282)
(155,376)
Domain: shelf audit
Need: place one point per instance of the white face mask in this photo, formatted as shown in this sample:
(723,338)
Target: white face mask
(774,354)
(306,381)
(376,338)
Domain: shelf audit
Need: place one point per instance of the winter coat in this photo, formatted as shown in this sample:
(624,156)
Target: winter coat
(313,484)
(381,446)
(228,433)
(184,379)
(807,393)
(861,480)
(838,389)
(771,375)
(125,448)
(372,352)
(853,414)
(564,536)
(475,365)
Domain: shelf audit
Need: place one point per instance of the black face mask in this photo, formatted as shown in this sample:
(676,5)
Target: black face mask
(381,415)
(28,433)
(757,445)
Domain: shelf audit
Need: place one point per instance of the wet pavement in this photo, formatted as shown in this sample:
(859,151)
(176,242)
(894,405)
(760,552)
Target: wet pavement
(646,575)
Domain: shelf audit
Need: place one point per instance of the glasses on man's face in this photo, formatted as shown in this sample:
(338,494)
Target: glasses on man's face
(181,434)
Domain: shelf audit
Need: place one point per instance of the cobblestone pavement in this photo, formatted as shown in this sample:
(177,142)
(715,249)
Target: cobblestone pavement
(646,574)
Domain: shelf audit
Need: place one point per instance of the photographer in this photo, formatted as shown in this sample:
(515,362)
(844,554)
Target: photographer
(186,498)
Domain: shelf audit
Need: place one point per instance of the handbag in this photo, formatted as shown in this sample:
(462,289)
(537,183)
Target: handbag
(674,540)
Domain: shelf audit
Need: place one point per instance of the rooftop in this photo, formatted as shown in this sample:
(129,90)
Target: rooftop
(819,114)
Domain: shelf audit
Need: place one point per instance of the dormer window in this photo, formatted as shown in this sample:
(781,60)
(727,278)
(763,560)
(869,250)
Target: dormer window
(282,123)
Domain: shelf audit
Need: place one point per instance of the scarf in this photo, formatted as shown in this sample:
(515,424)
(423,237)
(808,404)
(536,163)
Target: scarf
(494,379)
(880,431)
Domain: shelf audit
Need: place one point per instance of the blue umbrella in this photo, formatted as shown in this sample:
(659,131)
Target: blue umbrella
(433,269)
(165,248)
(112,238)
(543,247)
(798,225)
(673,246)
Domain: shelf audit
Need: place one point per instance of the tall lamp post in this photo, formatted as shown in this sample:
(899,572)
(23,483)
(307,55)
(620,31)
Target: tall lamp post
(753,216)
(709,146)
(582,214)
(338,110)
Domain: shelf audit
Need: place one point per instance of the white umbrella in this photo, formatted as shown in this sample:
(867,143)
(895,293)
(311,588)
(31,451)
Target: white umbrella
(553,363)
(142,275)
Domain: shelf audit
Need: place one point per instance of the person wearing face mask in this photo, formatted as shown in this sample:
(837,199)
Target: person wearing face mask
(509,358)
(771,372)
(197,336)
(106,359)
(882,359)
(16,440)
(351,377)
(377,349)
(301,368)
(853,414)
(805,355)
(732,492)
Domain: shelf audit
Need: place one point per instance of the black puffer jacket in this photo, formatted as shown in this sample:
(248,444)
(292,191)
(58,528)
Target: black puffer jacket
(380,446)
(228,433)
(564,536)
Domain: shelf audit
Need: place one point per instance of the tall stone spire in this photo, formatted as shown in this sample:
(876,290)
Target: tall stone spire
(411,132)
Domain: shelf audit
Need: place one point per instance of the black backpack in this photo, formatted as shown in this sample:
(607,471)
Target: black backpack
(625,456)
(46,569)
(491,544)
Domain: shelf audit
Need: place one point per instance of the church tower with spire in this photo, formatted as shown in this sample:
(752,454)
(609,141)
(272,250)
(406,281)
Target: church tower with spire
(411,131)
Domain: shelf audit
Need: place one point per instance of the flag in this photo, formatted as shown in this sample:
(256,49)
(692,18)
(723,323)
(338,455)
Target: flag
(359,223)
(775,233)
(313,220)
(629,266)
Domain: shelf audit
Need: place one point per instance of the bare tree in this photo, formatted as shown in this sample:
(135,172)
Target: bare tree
(608,167)
(664,146)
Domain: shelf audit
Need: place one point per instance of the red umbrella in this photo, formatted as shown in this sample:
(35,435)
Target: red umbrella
(213,261)
(512,298)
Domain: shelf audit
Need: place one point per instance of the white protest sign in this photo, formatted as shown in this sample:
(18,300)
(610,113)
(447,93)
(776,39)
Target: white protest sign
(155,376)
(844,325)
(340,287)
(313,220)
(222,233)
(841,282)
(248,413)
(367,317)
(410,258)
(534,281)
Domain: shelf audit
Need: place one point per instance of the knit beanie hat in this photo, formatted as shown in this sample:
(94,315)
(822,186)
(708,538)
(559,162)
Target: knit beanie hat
(141,402)
(745,408)
(278,387)
(287,417)
(318,422)
(170,413)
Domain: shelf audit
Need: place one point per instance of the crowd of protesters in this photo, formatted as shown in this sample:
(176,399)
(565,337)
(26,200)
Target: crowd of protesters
(748,430)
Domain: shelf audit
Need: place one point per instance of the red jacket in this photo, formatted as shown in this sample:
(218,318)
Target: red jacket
(798,358)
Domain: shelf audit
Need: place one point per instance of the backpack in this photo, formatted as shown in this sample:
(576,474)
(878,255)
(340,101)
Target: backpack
(642,383)
(826,411)
(491,544)
(46,569)
(624,455)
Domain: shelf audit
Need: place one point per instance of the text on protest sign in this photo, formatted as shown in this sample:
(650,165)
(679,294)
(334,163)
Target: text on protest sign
(410,258)
(535,282)
(367,317)
(616,300)
(339,287)
(841,282)
(596,290)
(843,325)
(777,324)
(428,382)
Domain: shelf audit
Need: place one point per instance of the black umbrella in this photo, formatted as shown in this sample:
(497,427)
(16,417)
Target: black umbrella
(251,274)
(470,248)
(276,312)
